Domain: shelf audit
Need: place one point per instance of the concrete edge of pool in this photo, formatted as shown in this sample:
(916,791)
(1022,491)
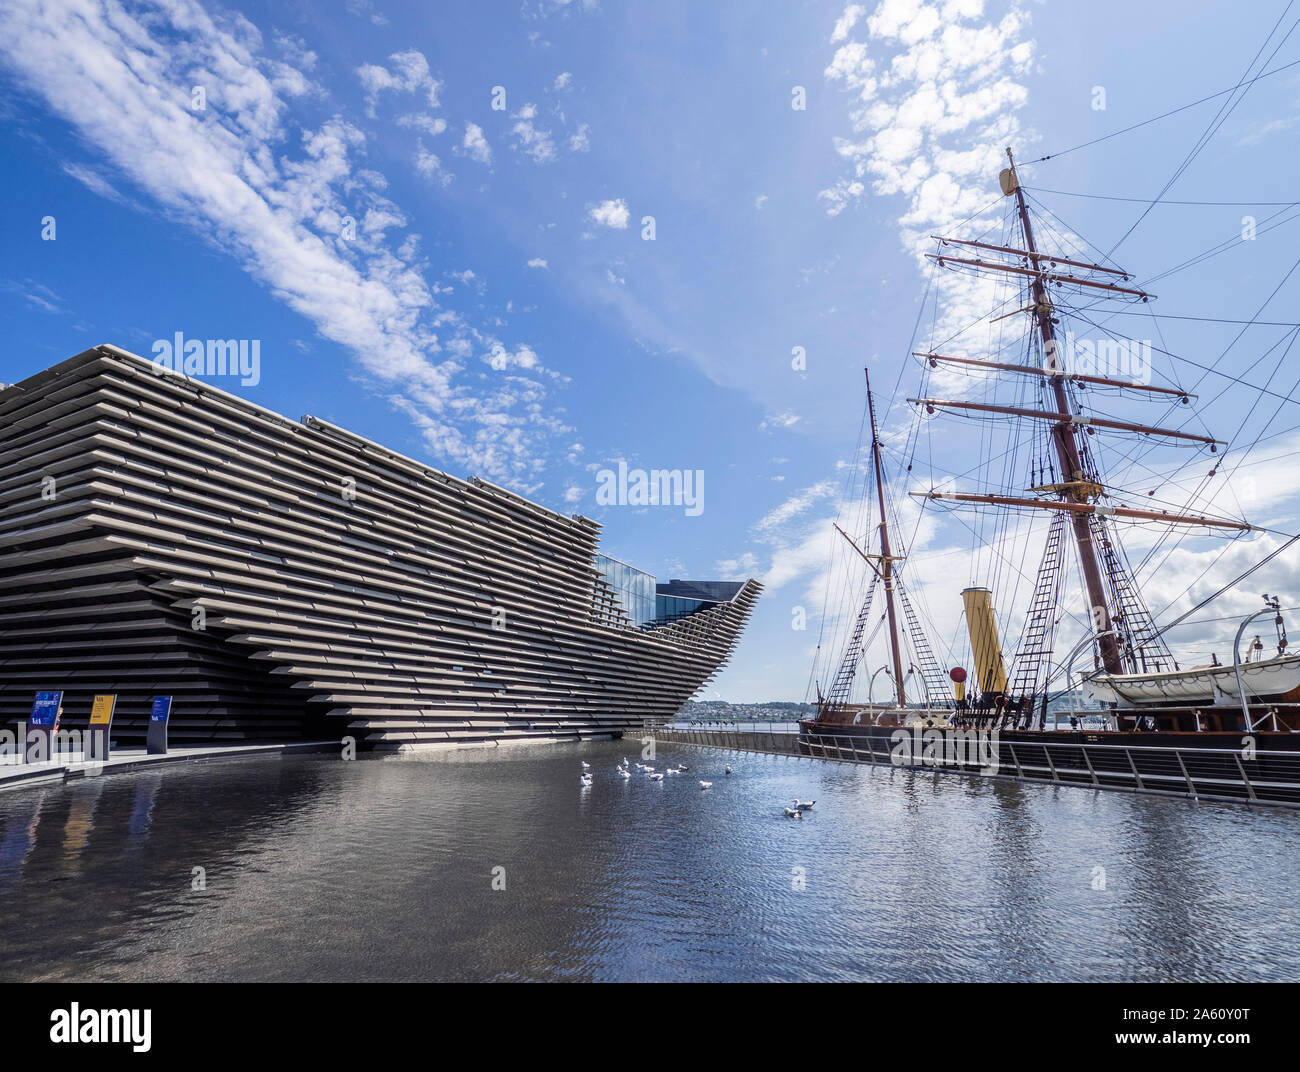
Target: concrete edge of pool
(69,767)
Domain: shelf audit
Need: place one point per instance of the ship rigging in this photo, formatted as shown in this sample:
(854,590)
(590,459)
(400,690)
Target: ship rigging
(1051,468)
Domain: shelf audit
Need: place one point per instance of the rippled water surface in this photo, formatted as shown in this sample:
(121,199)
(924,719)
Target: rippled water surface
(383,869)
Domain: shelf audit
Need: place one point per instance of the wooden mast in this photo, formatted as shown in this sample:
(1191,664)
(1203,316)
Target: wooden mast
(1063,437)
(886,569)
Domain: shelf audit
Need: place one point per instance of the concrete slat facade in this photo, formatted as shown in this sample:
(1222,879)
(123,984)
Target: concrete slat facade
(339,588)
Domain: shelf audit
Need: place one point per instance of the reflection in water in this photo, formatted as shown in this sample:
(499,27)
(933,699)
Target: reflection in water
(146,792)
(76,831)
(383,869)
(19,836)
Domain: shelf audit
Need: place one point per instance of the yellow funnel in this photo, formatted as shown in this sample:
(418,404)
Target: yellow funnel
(984,644)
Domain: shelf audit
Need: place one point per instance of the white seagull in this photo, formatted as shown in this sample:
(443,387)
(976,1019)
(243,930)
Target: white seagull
(624,773)
(728,769)
(586,779)
(793,813)
(803,805)
(706,785)
(585,764)
(656,777)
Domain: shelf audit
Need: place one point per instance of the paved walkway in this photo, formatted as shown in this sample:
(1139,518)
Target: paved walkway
(15,774)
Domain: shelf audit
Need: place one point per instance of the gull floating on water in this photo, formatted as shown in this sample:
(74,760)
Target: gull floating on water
(793,813)
(586,779)
(803,805)
(728,769)
(585,764)
(705,785)
(624,773)
(656,777)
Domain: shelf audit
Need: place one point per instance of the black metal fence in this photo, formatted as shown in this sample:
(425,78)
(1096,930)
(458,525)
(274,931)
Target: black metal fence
(1244,776)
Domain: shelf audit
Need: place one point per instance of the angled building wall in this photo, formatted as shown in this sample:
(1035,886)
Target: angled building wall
(284,578)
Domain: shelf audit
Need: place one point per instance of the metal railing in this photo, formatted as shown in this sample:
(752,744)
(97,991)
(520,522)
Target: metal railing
(1219,774)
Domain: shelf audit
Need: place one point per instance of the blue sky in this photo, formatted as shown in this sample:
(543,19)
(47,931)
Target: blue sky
(497,308)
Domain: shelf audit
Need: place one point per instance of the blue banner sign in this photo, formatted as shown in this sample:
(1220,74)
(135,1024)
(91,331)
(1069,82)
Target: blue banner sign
(45,711)
(156,741)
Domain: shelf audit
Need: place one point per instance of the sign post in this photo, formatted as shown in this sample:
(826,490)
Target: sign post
(156,742)
(42,726)
(101,726)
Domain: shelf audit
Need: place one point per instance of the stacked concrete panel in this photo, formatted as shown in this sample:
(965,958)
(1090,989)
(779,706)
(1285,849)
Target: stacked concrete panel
(284,579)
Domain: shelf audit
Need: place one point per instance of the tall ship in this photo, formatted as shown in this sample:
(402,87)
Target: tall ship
(285,579)
(1052,486)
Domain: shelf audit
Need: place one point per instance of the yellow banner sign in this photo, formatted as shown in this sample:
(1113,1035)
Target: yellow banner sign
(101,712)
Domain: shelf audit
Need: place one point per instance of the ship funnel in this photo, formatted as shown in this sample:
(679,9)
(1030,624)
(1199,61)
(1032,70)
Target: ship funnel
(986,649)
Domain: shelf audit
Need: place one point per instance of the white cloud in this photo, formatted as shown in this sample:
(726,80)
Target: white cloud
(475,145)
(295,51)
(502,359)
(794,506)
(365,9)
(933,93)
(839,196)
(760,201)
(274,197)
(778,420)
(94,182)
(408,73)
(35,294)
(610,214)
(580,141)
(933,89)
(429,124)
(563,80)
(847,21)
(740,568)
(538,262)
(428,165)
(535,142)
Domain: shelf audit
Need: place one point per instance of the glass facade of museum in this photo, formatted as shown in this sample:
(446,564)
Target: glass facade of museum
(670,608)
(675,599)
(635,588)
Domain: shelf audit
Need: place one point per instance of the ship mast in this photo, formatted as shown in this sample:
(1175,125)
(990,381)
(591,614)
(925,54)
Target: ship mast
(886,569)
(1122,626)
(1076,486)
